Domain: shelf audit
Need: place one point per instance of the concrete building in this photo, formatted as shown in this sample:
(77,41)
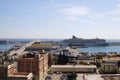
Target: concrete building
(11,69)
(81,60)
(39,46)
(1,57)
(109,67)
(3,72)
(111,59)
(45,63)
(35,62)
(74,68)
(8,73)
(21,76)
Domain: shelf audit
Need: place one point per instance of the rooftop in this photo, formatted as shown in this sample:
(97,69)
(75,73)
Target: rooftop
(41,45)
(32,54)
(74,52)
(93,77)
(111,59)
(22,74)
(73,66)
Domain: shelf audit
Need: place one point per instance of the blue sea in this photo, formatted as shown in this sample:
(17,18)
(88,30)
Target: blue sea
(102,48)
(19,42)
(8,46)
(4,47)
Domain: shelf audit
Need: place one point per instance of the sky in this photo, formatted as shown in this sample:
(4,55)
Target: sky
(60,19)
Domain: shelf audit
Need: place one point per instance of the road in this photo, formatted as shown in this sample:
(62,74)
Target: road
(19,51)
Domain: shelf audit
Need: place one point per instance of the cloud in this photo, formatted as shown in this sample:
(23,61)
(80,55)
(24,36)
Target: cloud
(72,18)
(115,11)
(51,1)
(116,19)
(9,18)
(72,13)
(95,22)
(98,16)
(75,11)
(91,22)
(87,15)
(118,5)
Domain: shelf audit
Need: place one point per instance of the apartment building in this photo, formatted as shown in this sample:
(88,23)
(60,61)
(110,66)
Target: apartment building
(34,62)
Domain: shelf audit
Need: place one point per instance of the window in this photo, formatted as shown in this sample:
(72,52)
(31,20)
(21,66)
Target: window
(28,67)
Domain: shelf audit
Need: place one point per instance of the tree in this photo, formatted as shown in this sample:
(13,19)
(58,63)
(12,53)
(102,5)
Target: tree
(72,76)
(62,59)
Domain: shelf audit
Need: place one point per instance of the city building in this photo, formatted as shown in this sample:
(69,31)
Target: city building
(11,69)
(35,62)
(39,46)
(74,68)
(111,59)
(7,72)
(21,76)
(110,67)
(52,59)
(3,72)
(81,60)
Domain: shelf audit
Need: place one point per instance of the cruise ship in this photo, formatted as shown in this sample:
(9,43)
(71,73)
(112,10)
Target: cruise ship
(74,41)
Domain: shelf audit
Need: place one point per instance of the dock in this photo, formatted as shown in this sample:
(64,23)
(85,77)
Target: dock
(74,52)
(20,51)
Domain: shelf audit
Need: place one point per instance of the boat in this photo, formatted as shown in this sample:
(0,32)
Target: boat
(74,41)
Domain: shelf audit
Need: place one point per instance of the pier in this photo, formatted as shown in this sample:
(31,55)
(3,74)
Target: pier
(19,51)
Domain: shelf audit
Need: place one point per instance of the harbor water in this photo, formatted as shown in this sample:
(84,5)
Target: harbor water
(95,49)
(4,47)
(19,42)
(101,49)
(12,43)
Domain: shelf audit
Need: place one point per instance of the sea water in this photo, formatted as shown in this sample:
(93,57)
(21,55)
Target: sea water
(101,49)
(19,42)
(95,49)
(4,47)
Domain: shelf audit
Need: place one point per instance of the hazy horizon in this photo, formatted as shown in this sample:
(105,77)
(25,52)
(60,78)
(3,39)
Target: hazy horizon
(61,38)
(59,19)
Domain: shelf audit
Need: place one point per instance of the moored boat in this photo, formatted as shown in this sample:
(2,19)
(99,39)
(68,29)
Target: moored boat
(74,41)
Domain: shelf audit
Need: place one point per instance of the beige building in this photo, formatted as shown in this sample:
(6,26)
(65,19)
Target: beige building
(82,60)
(111,59)
(109,67)
(8,73)
(21,76)
(74,68)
